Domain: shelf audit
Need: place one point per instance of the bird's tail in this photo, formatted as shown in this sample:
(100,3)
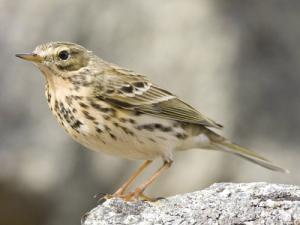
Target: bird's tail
(245,153)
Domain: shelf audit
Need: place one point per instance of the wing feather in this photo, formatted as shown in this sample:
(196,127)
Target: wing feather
(134,92)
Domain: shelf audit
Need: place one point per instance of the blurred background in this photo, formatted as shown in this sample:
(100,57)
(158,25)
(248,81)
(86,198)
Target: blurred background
(235,61)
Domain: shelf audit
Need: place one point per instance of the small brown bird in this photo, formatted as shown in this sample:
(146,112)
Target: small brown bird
(107,108)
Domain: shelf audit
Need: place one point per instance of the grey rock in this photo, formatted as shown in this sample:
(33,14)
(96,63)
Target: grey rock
(222,203)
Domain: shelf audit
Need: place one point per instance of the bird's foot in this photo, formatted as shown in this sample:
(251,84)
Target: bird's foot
(138,194)
(146,198)
(129,197)
(125,197)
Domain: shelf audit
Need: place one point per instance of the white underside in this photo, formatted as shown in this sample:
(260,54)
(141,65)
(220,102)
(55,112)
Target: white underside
(141,145)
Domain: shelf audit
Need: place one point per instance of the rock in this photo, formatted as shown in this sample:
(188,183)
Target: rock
(222,203)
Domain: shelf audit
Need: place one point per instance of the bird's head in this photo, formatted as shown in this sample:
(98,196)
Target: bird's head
(60,58)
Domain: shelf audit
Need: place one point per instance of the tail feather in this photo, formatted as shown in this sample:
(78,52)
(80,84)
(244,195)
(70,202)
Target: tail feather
(247,154)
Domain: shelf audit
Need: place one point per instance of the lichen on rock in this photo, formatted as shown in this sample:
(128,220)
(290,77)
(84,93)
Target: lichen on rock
(222,203)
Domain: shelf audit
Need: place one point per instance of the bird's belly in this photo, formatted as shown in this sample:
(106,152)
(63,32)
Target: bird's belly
(126,140)
(143,137)
(123,146)
(123,133)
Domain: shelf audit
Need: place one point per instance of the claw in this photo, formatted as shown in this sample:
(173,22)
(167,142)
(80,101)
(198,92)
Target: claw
(100,195)
(100,201)
(129,197)
(146,198)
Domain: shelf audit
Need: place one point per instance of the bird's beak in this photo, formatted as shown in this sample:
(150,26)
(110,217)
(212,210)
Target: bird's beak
(31,57)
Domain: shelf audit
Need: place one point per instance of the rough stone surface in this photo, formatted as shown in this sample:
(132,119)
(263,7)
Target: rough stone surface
(223,203)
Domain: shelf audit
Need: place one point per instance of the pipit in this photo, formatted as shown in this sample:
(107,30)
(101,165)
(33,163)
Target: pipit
(117,111)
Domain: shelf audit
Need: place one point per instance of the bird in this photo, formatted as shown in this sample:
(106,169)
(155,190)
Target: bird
(110,109)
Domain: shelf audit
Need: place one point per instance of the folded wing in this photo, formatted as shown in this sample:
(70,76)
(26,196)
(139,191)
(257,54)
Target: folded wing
(132,91)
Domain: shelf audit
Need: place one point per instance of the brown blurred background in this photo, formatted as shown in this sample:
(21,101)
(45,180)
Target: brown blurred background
(236,61)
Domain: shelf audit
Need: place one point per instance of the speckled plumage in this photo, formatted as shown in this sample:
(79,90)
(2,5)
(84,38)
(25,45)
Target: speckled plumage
(107,108)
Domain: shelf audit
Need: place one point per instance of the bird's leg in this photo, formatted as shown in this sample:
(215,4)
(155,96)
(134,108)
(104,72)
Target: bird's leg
(140,189)
(120,192)
(131,179)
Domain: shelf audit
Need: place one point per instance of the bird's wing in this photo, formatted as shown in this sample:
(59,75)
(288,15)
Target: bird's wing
(134,92)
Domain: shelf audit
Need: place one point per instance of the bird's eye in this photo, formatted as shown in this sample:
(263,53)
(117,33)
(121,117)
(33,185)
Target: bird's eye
(63,55)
